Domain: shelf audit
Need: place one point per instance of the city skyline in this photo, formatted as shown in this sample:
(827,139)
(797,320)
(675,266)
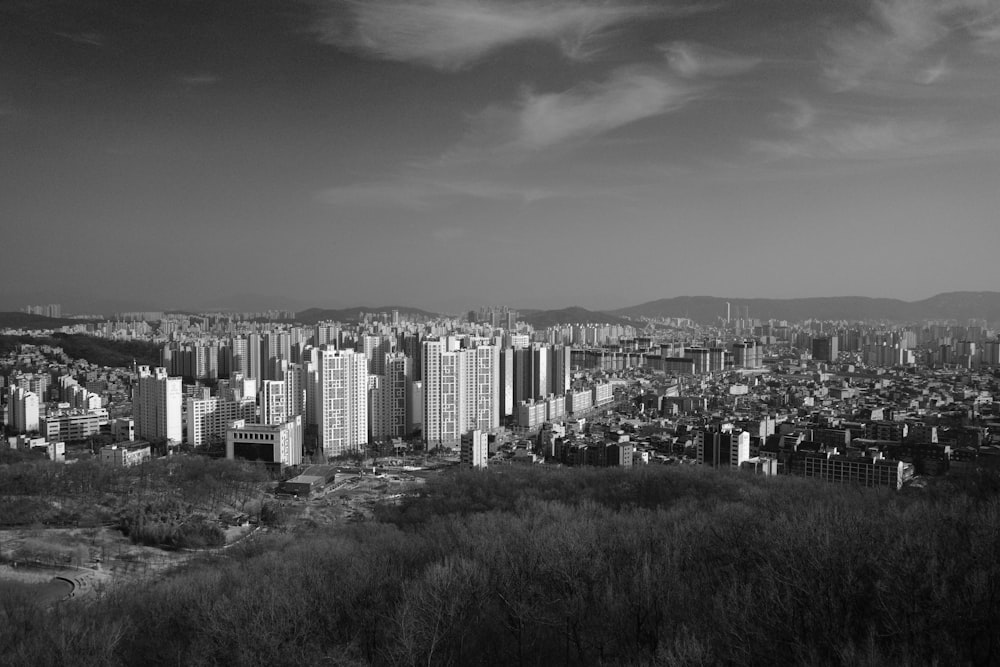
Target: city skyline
(447,153)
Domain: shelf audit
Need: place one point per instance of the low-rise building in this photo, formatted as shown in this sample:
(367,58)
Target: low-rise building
(126,454)
(268,443)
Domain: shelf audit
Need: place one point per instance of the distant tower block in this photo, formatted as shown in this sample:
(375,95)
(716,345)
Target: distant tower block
(728,319)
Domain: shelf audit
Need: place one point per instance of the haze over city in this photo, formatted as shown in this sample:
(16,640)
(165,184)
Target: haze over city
(446,153)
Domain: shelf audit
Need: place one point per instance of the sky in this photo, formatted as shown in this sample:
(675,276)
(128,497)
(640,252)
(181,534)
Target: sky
(447,154)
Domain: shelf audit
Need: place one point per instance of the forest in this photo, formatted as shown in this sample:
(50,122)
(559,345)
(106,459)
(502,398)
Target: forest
(555,566)
(100,351)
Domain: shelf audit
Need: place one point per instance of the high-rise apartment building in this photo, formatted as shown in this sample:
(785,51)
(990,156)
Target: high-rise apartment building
(461,391)
(531,373)
(326,333)
(390,398)
(210,417)
(338,381)
(156,405)
(273,402)
(24,412)
(277,348)
(376,347)
(560,369)
(237,353)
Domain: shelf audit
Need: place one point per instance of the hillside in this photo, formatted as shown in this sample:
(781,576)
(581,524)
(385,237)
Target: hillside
(100,351)
(314,315)
(541,319)
(654,566)
(15,320)
(960,306)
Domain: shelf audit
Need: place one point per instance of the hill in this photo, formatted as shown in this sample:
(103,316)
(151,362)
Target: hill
(706,309)
(541,319)
(100,351)
(581,566)
(314,315)
(14,320)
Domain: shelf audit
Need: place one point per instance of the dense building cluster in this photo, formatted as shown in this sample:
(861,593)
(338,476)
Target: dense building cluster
(840,401)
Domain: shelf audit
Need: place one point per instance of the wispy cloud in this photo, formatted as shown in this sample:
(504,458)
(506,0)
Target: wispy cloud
(414,193)
(878,139)
(695,60)
(902,39)
(934,72)
(87,38)
(800,115)
(453,34)
(543,120)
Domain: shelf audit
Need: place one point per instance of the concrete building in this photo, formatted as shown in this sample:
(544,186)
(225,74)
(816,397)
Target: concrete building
(339,385)
(474,449)
(531,414)
(825,349)
(461,391)
(531,373)
(210,417)
(157,405)
(267,443)
(579,401)
(73,425)
(24,413)
(722,449)
(390,400)
(866,471)
(123,429)
(125,455)
(273,402)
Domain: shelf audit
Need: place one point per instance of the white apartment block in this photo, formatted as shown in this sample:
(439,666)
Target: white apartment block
(273,402)
(207,417)
(461,391)
(24,410)
(156,405)
(338,381)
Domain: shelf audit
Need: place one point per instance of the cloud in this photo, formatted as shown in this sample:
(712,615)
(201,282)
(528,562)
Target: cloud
(901,41)
(543,120)
(415,193)
(454,34)
(801,115)
(694,60)
(882,139)
(934,72)
(87,38)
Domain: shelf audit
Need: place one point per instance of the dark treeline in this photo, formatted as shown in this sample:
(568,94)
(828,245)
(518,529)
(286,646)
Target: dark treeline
(100,351)
(580,567)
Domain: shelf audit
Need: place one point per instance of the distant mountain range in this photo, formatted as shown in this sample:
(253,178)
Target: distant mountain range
(959,306)
(314,315)
(541,319)
(14,320)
